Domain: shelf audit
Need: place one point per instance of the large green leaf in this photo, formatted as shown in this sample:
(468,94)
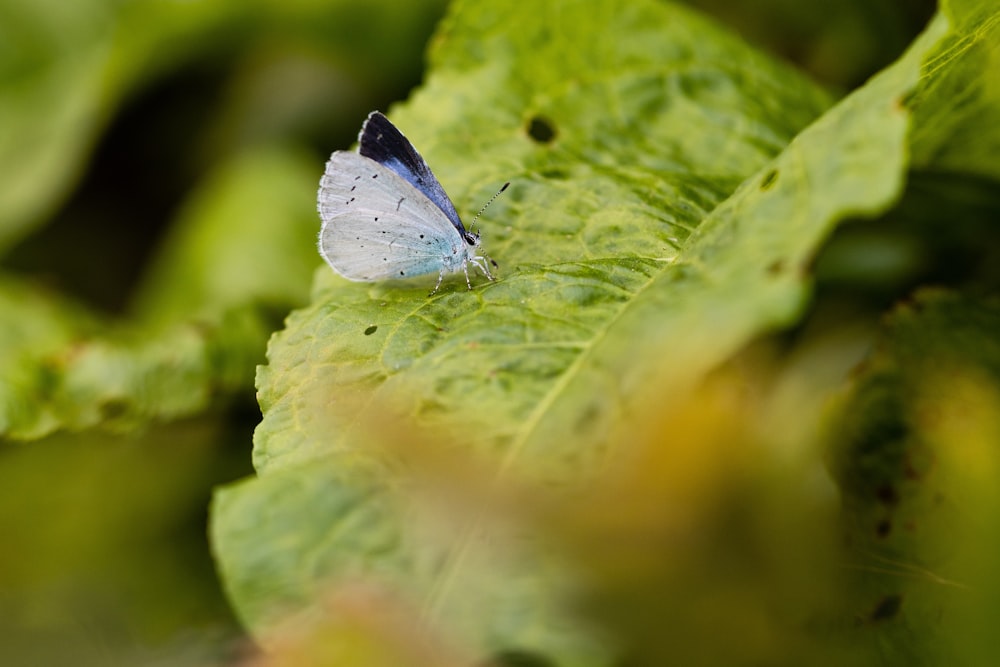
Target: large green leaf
(652,132)
(665,204)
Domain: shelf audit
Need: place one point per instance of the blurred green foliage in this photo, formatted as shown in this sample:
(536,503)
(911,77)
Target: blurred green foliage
(158,163)
(643,440)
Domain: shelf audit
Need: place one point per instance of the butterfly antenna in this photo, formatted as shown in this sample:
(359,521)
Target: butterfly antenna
(487,204)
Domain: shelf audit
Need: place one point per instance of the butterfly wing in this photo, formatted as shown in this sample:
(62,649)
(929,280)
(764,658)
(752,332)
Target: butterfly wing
(382,142)
(376,225)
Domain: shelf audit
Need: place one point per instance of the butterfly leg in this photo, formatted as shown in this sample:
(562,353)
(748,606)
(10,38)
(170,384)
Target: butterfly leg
(465,268)
(438,285)
(483,267)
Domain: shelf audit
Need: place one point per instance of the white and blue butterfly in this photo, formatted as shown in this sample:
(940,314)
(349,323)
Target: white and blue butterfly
(385,216)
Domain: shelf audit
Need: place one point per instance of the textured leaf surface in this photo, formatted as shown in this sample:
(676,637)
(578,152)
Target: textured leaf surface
(957,110)
(664,206)
(651,134)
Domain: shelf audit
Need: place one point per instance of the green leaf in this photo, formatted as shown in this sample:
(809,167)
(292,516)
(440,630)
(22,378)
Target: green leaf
(51,103)
(650,136)
(914,453)
(663,212)
(957,108)
(65,70)
(37,328)
(204,311)
(65,370)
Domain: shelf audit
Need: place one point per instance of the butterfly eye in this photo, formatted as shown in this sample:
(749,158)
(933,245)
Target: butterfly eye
(471,238)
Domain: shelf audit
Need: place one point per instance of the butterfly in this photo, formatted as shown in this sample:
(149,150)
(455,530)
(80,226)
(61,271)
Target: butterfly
(385,216)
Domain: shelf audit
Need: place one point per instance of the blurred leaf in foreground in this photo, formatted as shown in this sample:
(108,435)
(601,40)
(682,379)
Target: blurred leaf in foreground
(915,454)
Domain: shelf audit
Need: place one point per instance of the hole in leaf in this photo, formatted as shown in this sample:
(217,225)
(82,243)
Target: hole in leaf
(769,179)
(541,130)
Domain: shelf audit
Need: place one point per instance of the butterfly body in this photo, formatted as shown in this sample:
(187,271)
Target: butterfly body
(385,216)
